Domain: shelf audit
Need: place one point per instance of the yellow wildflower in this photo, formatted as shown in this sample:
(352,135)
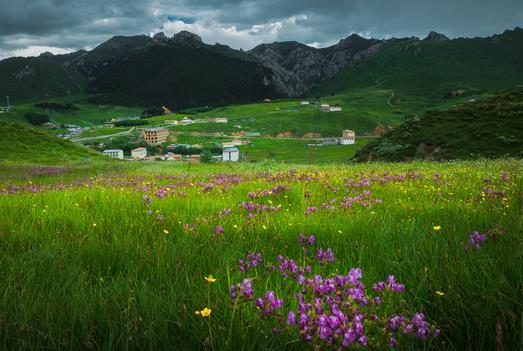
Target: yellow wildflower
(440,293)
(206,312)
(210,279)
(437,227)
(165,231)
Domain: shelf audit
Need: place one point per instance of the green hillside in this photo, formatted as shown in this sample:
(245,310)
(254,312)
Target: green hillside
(21,144)
(32,78)
(492,127)
(181,76)
(434,68)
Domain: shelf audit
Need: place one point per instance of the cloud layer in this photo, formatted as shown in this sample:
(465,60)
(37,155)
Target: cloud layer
(29,27)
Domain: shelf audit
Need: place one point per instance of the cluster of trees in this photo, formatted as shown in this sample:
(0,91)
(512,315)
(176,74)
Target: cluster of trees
(131,123)
(54,106)
(36,119)
(152,111)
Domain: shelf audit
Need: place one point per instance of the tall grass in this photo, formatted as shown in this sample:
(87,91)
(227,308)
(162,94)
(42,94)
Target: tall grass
(87,267)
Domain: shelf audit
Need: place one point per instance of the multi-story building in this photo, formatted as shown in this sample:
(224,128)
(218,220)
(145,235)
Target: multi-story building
(114,153)
(155,136)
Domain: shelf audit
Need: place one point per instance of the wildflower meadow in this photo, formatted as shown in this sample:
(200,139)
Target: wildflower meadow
(419,256)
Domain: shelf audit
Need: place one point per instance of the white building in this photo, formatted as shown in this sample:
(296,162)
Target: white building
(172,122)
(139,153)
(304,103)
(231,154)
(186,121)
(114,153)
(221,120)
(325,107)
(348,137)
(335,109)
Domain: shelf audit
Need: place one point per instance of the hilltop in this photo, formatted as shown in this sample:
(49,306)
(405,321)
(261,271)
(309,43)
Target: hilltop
(21,144)
(492,127)
(435,67)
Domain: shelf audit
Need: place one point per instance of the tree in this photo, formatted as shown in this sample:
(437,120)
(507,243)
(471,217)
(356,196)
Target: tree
(206,156)
(36,119)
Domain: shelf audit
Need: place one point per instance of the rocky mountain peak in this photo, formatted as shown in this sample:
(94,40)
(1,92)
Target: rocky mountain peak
(435,36)
(185,35)
(160,36)
(46,54)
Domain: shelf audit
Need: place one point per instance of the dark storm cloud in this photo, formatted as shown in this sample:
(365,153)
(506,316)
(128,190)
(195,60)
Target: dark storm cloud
(75,24)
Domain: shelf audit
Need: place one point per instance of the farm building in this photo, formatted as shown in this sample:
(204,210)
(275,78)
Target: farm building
(253,134)
(220,120)
(139,153)
(155,136)
(172,157)
(114,153)
(171,122)
(230,154)
(335,108)
(348,137)
(186,121)
(325,107)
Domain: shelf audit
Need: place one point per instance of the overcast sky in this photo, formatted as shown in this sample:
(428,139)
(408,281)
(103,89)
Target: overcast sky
(29,27)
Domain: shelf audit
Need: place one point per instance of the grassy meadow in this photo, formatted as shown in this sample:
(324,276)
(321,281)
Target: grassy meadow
(113,255)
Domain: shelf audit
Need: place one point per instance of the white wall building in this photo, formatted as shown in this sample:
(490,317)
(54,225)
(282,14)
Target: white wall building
(325,107)
(335,109)
(114,153)
(139,153)
(186,121)
(231,154)
(348,137)
(304,103)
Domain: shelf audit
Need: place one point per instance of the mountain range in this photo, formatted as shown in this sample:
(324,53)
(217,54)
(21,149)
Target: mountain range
(182,71)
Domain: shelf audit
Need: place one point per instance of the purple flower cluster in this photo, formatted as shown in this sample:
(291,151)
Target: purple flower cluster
(206,187)
(242,290)
(364,199)
(289,268)
(326,256)
(269,192)
(475,240)
(306,241)
(269,303)
(218,230)
(338,312)
(417,326)
(147,200)
(161,193)
(252,207)
(225,212)
(391,284)
(311,209)
(251,260)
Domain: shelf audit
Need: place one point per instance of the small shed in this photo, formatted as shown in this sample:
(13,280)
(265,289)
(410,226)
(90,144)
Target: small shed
(231,154)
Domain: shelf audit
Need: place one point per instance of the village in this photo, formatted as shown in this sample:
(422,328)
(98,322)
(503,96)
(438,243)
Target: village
(230,151)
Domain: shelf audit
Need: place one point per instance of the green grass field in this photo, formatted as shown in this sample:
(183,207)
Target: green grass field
(87,115)
(363,111)
(88,262)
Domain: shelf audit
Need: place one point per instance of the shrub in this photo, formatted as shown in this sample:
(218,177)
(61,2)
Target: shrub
(36,119)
